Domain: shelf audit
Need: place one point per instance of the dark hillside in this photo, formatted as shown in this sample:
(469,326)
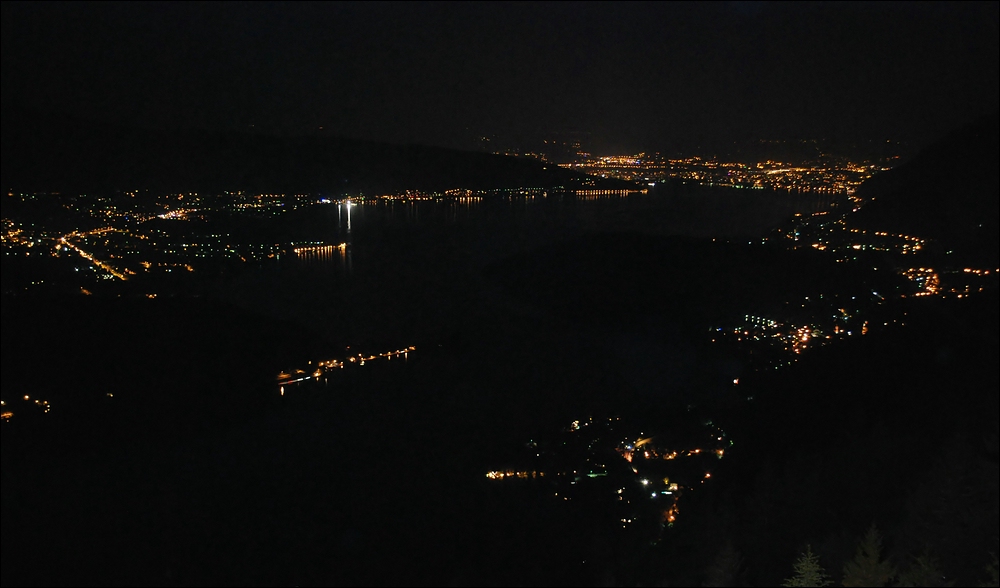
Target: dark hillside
(60,153)
(898,429)
(949,192)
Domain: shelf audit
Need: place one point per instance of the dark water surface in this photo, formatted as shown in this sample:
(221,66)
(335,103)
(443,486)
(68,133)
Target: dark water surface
(408,261)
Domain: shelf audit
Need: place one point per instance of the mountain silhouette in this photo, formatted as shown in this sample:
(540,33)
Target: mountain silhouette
(53,152)
(949,192)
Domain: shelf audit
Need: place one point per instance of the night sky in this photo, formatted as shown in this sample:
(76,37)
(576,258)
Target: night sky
(634,76)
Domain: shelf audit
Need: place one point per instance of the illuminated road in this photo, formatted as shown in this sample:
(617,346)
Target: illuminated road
(300,375)
(65,240)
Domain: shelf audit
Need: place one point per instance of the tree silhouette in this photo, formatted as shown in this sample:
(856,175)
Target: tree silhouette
(923,571)
(727,569)
(994,572)
(867,568)
(808,571)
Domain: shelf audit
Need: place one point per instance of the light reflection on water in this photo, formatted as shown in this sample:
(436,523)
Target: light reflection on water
(420,261)
(488,229)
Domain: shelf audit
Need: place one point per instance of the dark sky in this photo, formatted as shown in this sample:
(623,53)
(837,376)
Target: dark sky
(633,75)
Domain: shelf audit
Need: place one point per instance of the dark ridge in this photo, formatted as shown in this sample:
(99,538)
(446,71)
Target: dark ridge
(876,431)
(45,152)
(949,192)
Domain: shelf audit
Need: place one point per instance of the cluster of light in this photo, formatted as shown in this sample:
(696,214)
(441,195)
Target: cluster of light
(660,491)
(65,241)
(832,234)
(605,192)
(512,474)
(319,249)
(644,448)
(178,214)
(670,515)
(824,176)
(6,413)
(301,375)
(926,279)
